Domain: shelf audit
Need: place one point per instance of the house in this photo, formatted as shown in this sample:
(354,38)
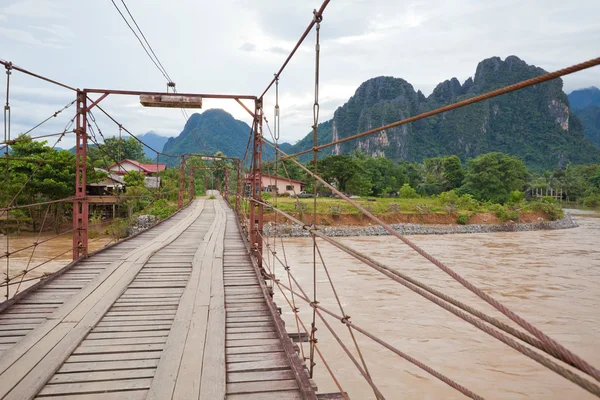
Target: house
(272,184)
(112,184)
(127,165)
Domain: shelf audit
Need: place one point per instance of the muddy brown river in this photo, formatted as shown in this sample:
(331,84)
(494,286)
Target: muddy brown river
(552,278)
(38,261)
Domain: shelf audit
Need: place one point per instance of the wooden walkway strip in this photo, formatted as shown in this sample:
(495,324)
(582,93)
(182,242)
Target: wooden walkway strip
(193,310)
(25,368)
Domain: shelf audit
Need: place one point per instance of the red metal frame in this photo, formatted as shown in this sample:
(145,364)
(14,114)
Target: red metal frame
(80,204)
(226,189)
(256,208)
(181,183)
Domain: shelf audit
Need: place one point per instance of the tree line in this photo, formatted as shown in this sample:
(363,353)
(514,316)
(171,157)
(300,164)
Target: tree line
(492,177)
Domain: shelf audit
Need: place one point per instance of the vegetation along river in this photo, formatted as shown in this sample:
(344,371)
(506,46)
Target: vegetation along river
(552,278)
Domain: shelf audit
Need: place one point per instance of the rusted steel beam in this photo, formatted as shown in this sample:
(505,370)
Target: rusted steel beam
(95,103)
(80,204)
(245,107)
(201,95)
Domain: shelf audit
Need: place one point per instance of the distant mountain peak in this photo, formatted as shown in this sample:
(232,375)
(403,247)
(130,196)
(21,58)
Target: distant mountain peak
(534,123)
(581,98)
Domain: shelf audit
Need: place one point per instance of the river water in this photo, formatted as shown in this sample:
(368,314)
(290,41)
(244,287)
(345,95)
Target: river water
(46,258)
(551,278)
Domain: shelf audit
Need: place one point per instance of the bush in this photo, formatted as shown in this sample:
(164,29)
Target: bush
(591,201)
(118,229)
(212,198)
(161,209)
(449,197)
(266,196)
(505,214)
(463,219)
(407,192)
(516,197)
(550,208)
(468,202)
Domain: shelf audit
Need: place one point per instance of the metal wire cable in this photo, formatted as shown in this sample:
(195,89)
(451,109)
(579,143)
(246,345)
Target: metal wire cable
(565,354)
(139,40)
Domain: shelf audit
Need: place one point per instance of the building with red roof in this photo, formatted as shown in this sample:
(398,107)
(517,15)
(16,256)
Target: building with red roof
(123,167)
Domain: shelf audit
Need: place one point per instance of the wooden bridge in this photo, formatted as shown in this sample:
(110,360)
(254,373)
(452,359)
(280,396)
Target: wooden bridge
(179,311)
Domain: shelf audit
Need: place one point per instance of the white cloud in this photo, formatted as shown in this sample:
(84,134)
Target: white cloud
(33,9)
(21,36)
(239,47)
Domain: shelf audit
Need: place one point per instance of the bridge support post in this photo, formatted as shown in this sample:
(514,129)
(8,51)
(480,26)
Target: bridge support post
(192,186)
(226,184)
(181,185)
(239,188)
(256,209)
(80,204)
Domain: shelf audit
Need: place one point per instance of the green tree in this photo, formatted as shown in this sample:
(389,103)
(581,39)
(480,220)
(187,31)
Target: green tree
(134,178)
(453,172)
(116,149)
(492,176)
(338,169)
(407,192)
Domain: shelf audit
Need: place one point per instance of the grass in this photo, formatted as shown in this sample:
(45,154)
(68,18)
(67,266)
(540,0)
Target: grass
(379,206)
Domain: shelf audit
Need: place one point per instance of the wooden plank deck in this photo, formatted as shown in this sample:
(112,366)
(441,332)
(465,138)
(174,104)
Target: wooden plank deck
(178,312)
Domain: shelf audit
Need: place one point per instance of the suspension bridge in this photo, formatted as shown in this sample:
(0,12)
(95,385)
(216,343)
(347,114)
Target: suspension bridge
(185,309)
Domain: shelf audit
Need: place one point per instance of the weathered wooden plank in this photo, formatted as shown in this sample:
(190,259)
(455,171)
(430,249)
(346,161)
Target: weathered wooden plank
(251,329)
(122,341)
(261,387)
(282,395)
(118,348)
(140,355)
(132,328)
(261,318)
(247,324)
(252,349)
(213,385)
(98,376)
(126,395)
(233,358)
(255,376)
(127,334)
(264,365)
(16,332)
(107,365)
(166,378)
(95,387)
(252,335)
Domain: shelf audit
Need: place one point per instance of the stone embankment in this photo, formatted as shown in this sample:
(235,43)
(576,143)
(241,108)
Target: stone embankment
(142,223)
(291,230)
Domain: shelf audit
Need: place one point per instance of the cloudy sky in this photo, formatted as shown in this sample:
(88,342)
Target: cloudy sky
(235,46)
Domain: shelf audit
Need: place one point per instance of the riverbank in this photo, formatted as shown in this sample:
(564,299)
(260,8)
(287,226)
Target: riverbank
(292,230)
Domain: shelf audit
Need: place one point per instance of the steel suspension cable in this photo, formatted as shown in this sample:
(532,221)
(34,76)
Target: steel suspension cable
(492,332)
(304,296)
(294,309)
(565,354)
(319,13)
(17,68)
(6,171)
(317,19)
